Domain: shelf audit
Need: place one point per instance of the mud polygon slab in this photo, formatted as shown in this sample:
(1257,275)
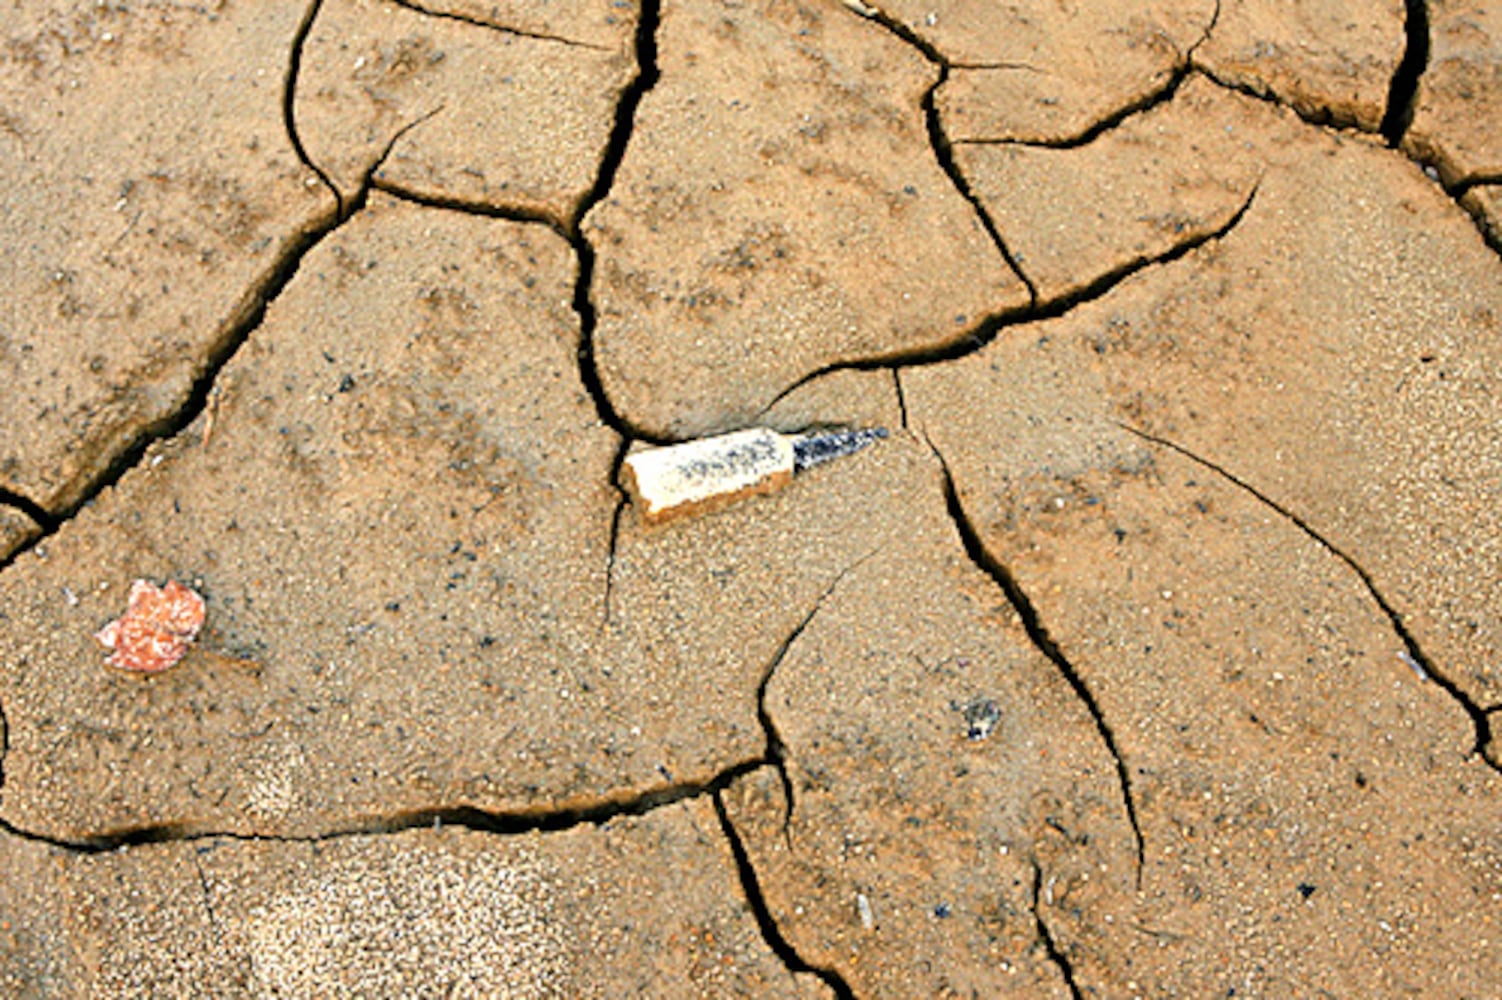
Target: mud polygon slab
(397,507)
(1049,73)
(1354,382)
(1331,62)
(455,111)
(151,198)
(779,209)
(1158,181)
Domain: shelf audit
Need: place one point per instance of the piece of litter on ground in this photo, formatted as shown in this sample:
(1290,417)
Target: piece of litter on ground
(158,626)
(699,476)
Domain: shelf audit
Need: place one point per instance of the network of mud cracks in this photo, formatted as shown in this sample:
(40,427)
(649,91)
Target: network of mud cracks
(1157,652)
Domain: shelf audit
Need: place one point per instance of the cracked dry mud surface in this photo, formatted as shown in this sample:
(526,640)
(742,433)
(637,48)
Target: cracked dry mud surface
(1156,652)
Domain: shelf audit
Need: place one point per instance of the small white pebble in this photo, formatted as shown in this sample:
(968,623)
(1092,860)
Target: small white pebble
(1413,664)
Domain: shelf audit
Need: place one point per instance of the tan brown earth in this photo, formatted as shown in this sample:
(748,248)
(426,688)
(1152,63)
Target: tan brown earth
(1157,652)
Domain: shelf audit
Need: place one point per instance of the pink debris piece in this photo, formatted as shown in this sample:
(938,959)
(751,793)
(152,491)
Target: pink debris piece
(158,625)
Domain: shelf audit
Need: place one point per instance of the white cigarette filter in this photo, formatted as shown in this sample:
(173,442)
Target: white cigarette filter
(703,475)
(699,476)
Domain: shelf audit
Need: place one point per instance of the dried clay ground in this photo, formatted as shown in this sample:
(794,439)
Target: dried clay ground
(1156,652)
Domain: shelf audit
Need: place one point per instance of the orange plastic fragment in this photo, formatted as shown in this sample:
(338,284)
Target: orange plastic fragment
(158,625)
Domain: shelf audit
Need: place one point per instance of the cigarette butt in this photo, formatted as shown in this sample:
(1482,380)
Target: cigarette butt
(703,475)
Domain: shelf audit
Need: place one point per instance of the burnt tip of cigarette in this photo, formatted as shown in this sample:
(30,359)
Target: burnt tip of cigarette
(816,448)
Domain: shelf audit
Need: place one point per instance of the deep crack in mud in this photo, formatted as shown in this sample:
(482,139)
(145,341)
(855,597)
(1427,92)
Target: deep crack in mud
(990,327)
(29,507)
(289,102)
(647,75)
(1404,92)
(467,206)
(597,811)
(773,935)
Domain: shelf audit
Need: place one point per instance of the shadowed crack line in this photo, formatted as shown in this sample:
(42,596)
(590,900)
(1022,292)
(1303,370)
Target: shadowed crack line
(1050,946)
(647,75)
(1402,93)
(1113,119)
(541,36)
(1478,715)
(776,749)
(489,210)
(1108,122)
(4,747)
(546,819)
(1306,107)
(289,102)
(27,506)
(1032,624)
(1465,184)
(938,140)
(621,500)
(901,395)
(993,324)
(770,932)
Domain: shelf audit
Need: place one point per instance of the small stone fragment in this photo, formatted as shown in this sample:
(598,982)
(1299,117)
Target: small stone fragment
(981,717)
(158,626)
(867,914)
